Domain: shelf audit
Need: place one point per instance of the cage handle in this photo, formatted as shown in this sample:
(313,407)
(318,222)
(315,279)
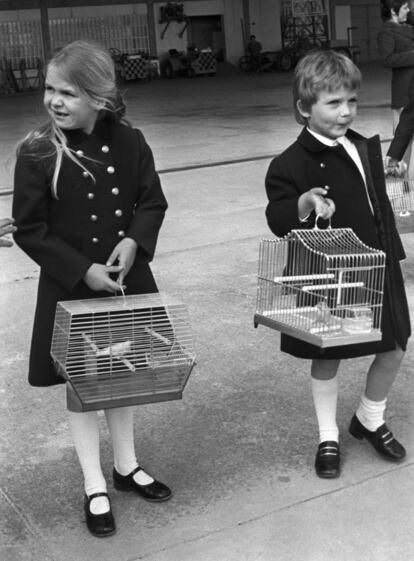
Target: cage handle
(329,227)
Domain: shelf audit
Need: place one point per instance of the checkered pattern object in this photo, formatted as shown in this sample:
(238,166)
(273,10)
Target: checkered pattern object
(207,62)
(134,68)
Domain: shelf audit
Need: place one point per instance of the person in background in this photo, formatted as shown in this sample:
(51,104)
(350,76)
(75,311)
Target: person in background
(6,227)
(254,50)
(396,49)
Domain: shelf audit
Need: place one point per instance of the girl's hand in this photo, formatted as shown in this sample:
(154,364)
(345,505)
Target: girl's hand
(124,252)
(98,278)
(315,199)
(6,227)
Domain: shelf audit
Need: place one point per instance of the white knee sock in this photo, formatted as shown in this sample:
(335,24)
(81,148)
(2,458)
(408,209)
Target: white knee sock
(325,397)
(85,434)
(121,426)
(371,413)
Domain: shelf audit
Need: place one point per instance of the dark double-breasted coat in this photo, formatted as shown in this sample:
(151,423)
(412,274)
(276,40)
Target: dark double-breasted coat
(308,163)
(396,50)
(67,234)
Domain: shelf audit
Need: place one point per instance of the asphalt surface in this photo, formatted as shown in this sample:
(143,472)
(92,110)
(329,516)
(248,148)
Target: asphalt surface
(238,450)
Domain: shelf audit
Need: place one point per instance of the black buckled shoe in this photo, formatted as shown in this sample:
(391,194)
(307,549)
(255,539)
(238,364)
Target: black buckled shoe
(99,525)
(327,459)
(382,440)
(155,492)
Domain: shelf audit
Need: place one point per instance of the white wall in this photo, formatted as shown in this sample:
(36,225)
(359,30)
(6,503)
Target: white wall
(265,23)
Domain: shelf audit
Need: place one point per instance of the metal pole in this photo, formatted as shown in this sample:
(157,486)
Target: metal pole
(44,25)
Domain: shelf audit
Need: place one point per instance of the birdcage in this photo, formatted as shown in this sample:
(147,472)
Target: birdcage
(321,286)
(401,195)
(122,350)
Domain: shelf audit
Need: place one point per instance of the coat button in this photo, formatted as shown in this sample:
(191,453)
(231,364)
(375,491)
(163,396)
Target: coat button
(118,212)
(85,174)
(95,240)
(79,153)
(94,218)
(91,196)
(121,233)
(110,169)
(105,149)
(115,191)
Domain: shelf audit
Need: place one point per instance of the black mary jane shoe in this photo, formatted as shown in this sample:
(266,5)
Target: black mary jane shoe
(99,525)
(327,461)
(155,492)
(382,440)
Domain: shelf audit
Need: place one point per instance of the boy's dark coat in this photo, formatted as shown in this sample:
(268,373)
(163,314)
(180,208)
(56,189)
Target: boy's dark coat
(308,163)
(66,235)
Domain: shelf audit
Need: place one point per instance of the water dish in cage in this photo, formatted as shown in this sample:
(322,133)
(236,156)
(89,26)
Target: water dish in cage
(122,350)
(321,286)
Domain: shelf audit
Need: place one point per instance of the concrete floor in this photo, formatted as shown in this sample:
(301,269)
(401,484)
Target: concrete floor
(238,450)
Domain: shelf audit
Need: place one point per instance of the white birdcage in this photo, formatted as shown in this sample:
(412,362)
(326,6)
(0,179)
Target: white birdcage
(321,286)
(401,195)
(122,350)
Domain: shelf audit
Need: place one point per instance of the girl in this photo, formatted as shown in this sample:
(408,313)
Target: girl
(329,153)
(88,206)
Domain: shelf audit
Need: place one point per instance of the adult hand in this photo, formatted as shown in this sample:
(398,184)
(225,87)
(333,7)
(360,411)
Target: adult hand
(124,252)
(98,278)
(394,168)
(315,199)
(6,227)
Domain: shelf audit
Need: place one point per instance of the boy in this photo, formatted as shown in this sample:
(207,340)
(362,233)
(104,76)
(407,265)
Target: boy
(328,158)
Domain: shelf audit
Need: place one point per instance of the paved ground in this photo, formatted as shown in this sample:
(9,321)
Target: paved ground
(238,450)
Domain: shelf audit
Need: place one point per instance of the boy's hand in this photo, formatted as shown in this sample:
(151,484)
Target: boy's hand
(6,227)
(393,167)
(315,199)
(98,278)
(124,252)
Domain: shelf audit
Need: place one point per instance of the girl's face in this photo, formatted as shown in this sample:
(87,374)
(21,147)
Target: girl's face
(332,114)
(401,16)
(68,108)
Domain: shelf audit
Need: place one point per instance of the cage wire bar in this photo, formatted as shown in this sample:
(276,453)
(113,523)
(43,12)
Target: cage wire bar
(321,286)
(122,350)
(401,195)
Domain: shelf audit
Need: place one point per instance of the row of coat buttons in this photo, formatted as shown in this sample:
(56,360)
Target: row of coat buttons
(109,169)
(118,213)
(80,153)
(114,191)
(121,234)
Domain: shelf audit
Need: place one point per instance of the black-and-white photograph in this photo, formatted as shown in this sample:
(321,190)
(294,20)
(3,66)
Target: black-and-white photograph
(206,280)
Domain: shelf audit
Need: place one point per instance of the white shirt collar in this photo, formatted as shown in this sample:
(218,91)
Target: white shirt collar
(328,141)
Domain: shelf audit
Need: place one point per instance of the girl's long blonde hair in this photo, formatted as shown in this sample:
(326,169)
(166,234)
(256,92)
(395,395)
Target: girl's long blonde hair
(90,69)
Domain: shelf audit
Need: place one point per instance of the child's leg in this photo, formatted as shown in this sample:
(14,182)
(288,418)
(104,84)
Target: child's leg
(85,434)
(121,426)
(325,396)
(368,422)
(381,376)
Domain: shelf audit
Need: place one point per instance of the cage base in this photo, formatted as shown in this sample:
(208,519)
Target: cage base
(76,404)
(320,340)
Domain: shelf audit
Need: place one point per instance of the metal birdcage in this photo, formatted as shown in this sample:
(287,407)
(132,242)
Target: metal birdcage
(122,350)
(321,286)
(401,195)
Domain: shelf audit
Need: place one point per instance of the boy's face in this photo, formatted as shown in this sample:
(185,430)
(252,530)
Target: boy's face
(332,114)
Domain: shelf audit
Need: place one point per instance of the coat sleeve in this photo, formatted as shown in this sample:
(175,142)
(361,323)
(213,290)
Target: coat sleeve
(150,206)
(283,194)
(403,133)
(31,206)
(390,57)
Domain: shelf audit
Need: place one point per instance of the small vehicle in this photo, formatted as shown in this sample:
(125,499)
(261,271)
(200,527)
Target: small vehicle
(192,63)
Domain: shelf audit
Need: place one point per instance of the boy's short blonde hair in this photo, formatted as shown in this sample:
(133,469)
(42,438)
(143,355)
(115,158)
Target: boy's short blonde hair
(322,70)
